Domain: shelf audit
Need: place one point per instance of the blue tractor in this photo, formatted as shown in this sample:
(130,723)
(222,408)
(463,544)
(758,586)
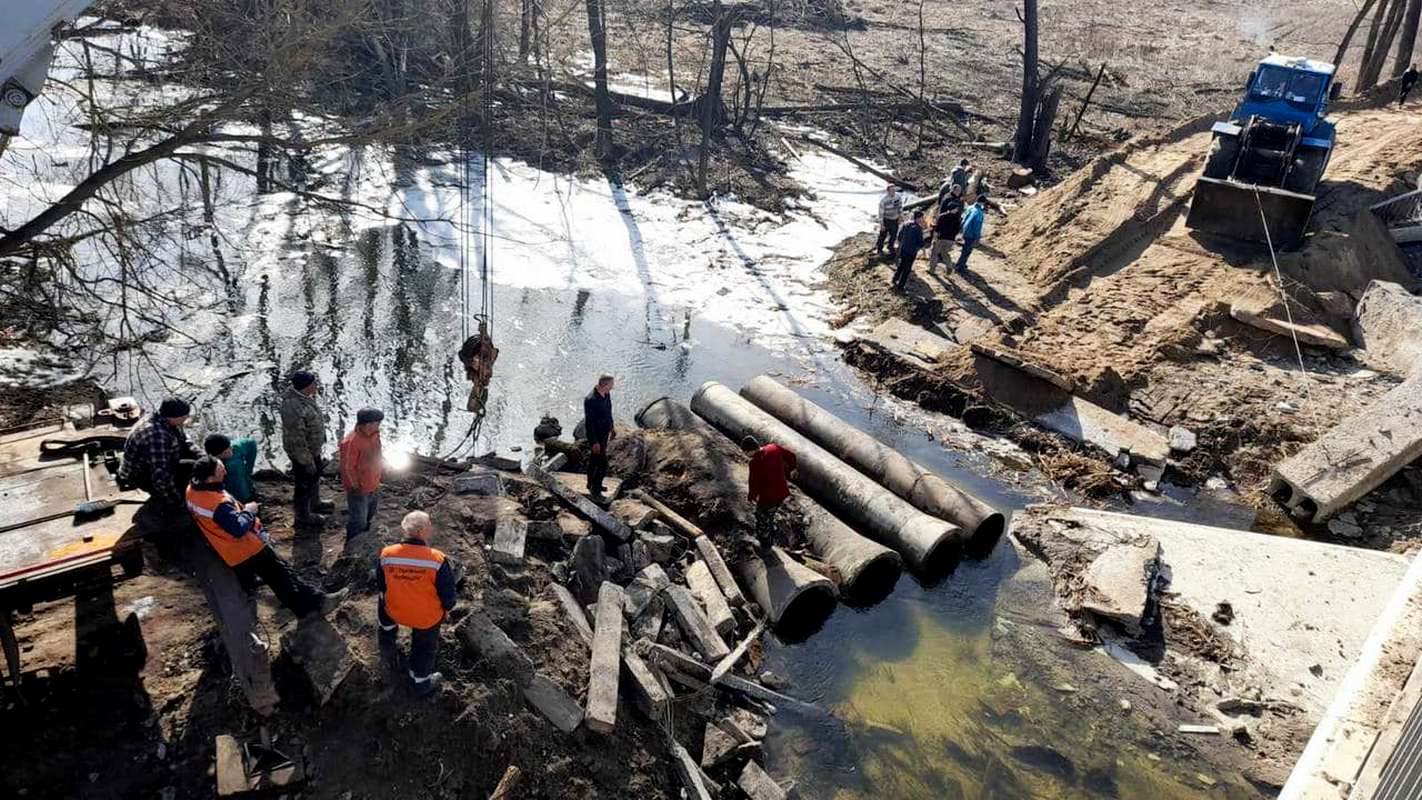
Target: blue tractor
(1269,155)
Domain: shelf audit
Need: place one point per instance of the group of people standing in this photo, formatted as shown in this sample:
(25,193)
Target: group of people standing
(216,491)
(953,217)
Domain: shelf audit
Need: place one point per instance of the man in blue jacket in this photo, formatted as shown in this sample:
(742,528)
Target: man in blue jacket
(972,231)
(910,242)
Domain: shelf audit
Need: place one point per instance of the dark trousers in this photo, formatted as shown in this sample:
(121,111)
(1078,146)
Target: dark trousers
(307,489)
(1402,98)
(968,245)
(360,512)
(296,594)
(424,644)
(597,469)
(905,268)
(888,231)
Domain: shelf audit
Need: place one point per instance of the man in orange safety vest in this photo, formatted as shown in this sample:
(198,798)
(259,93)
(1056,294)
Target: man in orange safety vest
(417,590)
(235,532)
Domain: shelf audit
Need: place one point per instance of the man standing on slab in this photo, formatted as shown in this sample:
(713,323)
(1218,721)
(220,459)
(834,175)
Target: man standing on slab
(597,421)
(303,435)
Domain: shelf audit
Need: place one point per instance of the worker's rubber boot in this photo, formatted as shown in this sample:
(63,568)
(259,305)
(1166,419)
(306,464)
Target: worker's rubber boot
(311,521)
(330,600)
(322,506)
(428,686)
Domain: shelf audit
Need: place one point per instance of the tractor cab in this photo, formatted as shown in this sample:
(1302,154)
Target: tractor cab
(1289,89)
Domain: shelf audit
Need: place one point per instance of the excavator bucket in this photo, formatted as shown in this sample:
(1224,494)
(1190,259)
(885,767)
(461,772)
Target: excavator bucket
(1229,208)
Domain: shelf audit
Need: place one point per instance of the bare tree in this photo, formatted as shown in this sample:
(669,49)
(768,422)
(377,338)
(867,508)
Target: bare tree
(1027,110)
(1407,42)
(1386,24)
(597,32)
(1352,29)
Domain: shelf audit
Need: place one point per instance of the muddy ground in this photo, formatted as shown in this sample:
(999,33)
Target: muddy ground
(1098,280)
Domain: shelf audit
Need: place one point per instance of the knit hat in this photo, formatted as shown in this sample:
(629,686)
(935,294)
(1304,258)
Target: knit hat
(204,468)
(302,379)
(216,444)
(369,415)
(174,407)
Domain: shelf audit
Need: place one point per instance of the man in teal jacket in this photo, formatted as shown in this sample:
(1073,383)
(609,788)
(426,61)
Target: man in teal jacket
(972,231)
(240,459)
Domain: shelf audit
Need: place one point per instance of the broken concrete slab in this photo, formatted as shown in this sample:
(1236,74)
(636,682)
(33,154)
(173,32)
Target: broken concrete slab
(704,589)
(717,746)
(321,652)
(589,567)
(648,624)
(236,778)
(578,482)
(1182,440)
(690,773)
(556,705)
(1354,457)
(633,513)
(605,664)
(1083,421)
(661,547)
(758,785)
(643,589)
(572,525)
(1120,583)
(694,624)
(913,344)
(722,573)
(480,481)
(1308,334)
(1014,359)
(578,502)
(510,537)
(1387,325)
(489,642)
(547,530)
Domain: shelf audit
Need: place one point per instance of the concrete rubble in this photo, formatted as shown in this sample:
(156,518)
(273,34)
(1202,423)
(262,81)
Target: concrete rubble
(321,653)
(1387,324)
(1120,584)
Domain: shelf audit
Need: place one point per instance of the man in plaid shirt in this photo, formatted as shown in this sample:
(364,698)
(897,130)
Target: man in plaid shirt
(157,457)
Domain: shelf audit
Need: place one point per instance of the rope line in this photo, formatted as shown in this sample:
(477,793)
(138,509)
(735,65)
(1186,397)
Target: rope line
(1268,239)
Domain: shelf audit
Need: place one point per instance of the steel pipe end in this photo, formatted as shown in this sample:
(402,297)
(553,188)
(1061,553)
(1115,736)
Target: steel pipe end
(989,531)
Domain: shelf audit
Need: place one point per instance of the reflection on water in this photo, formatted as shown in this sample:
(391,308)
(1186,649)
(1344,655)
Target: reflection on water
(931,690)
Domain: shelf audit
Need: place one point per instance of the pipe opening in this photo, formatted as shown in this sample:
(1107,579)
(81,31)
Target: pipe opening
(1281,491)
(1306,509)
(941,562)
(806,613)
(987,534)
(874,582)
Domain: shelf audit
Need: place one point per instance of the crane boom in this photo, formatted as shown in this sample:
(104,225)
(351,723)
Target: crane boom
(26,46)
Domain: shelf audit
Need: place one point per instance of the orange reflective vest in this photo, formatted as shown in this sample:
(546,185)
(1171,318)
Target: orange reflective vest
(203,503)
(411,598)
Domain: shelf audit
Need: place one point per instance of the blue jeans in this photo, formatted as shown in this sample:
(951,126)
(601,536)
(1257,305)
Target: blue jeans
(360,511)
(968,245)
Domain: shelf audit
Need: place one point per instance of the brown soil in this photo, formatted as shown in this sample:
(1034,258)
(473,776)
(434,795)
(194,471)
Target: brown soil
(1098,280)
(127,689)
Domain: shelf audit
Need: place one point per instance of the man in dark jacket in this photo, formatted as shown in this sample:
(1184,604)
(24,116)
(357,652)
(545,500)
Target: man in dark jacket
(417,590)
(157,456)
(1409,80)
(597,420)
(910,242)
(945,229)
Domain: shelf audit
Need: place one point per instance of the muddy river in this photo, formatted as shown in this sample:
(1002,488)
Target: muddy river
(958,688)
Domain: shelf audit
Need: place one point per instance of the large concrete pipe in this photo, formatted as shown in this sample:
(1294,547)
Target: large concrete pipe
(926,490)
(789,591)
(923,541)
(869,570)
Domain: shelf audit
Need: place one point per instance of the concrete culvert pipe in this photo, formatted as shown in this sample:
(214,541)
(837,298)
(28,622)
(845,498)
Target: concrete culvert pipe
(924,542)
(869,570)
(924,489)
(792,594)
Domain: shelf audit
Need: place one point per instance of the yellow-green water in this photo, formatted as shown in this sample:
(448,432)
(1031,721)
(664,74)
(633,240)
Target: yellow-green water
(962,691)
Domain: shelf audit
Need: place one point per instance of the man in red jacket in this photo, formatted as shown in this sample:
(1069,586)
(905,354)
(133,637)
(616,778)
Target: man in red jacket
(771,467)
(360,471)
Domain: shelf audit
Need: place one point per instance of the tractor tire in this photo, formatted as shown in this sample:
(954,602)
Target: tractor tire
(1224,152)
(1306,171)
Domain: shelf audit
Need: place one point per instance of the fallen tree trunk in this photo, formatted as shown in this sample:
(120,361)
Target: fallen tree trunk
(913,187)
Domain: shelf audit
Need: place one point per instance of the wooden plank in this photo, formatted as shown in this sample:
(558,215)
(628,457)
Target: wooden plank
(758,785)
(604,668)
(704,589)
(648,692)
(696,669)
(574,612)
(507,784)
(690,773)
(581,504)
(236,619)
(231,771)
(674,520)
(510,536)
(695,625)
(720,571)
